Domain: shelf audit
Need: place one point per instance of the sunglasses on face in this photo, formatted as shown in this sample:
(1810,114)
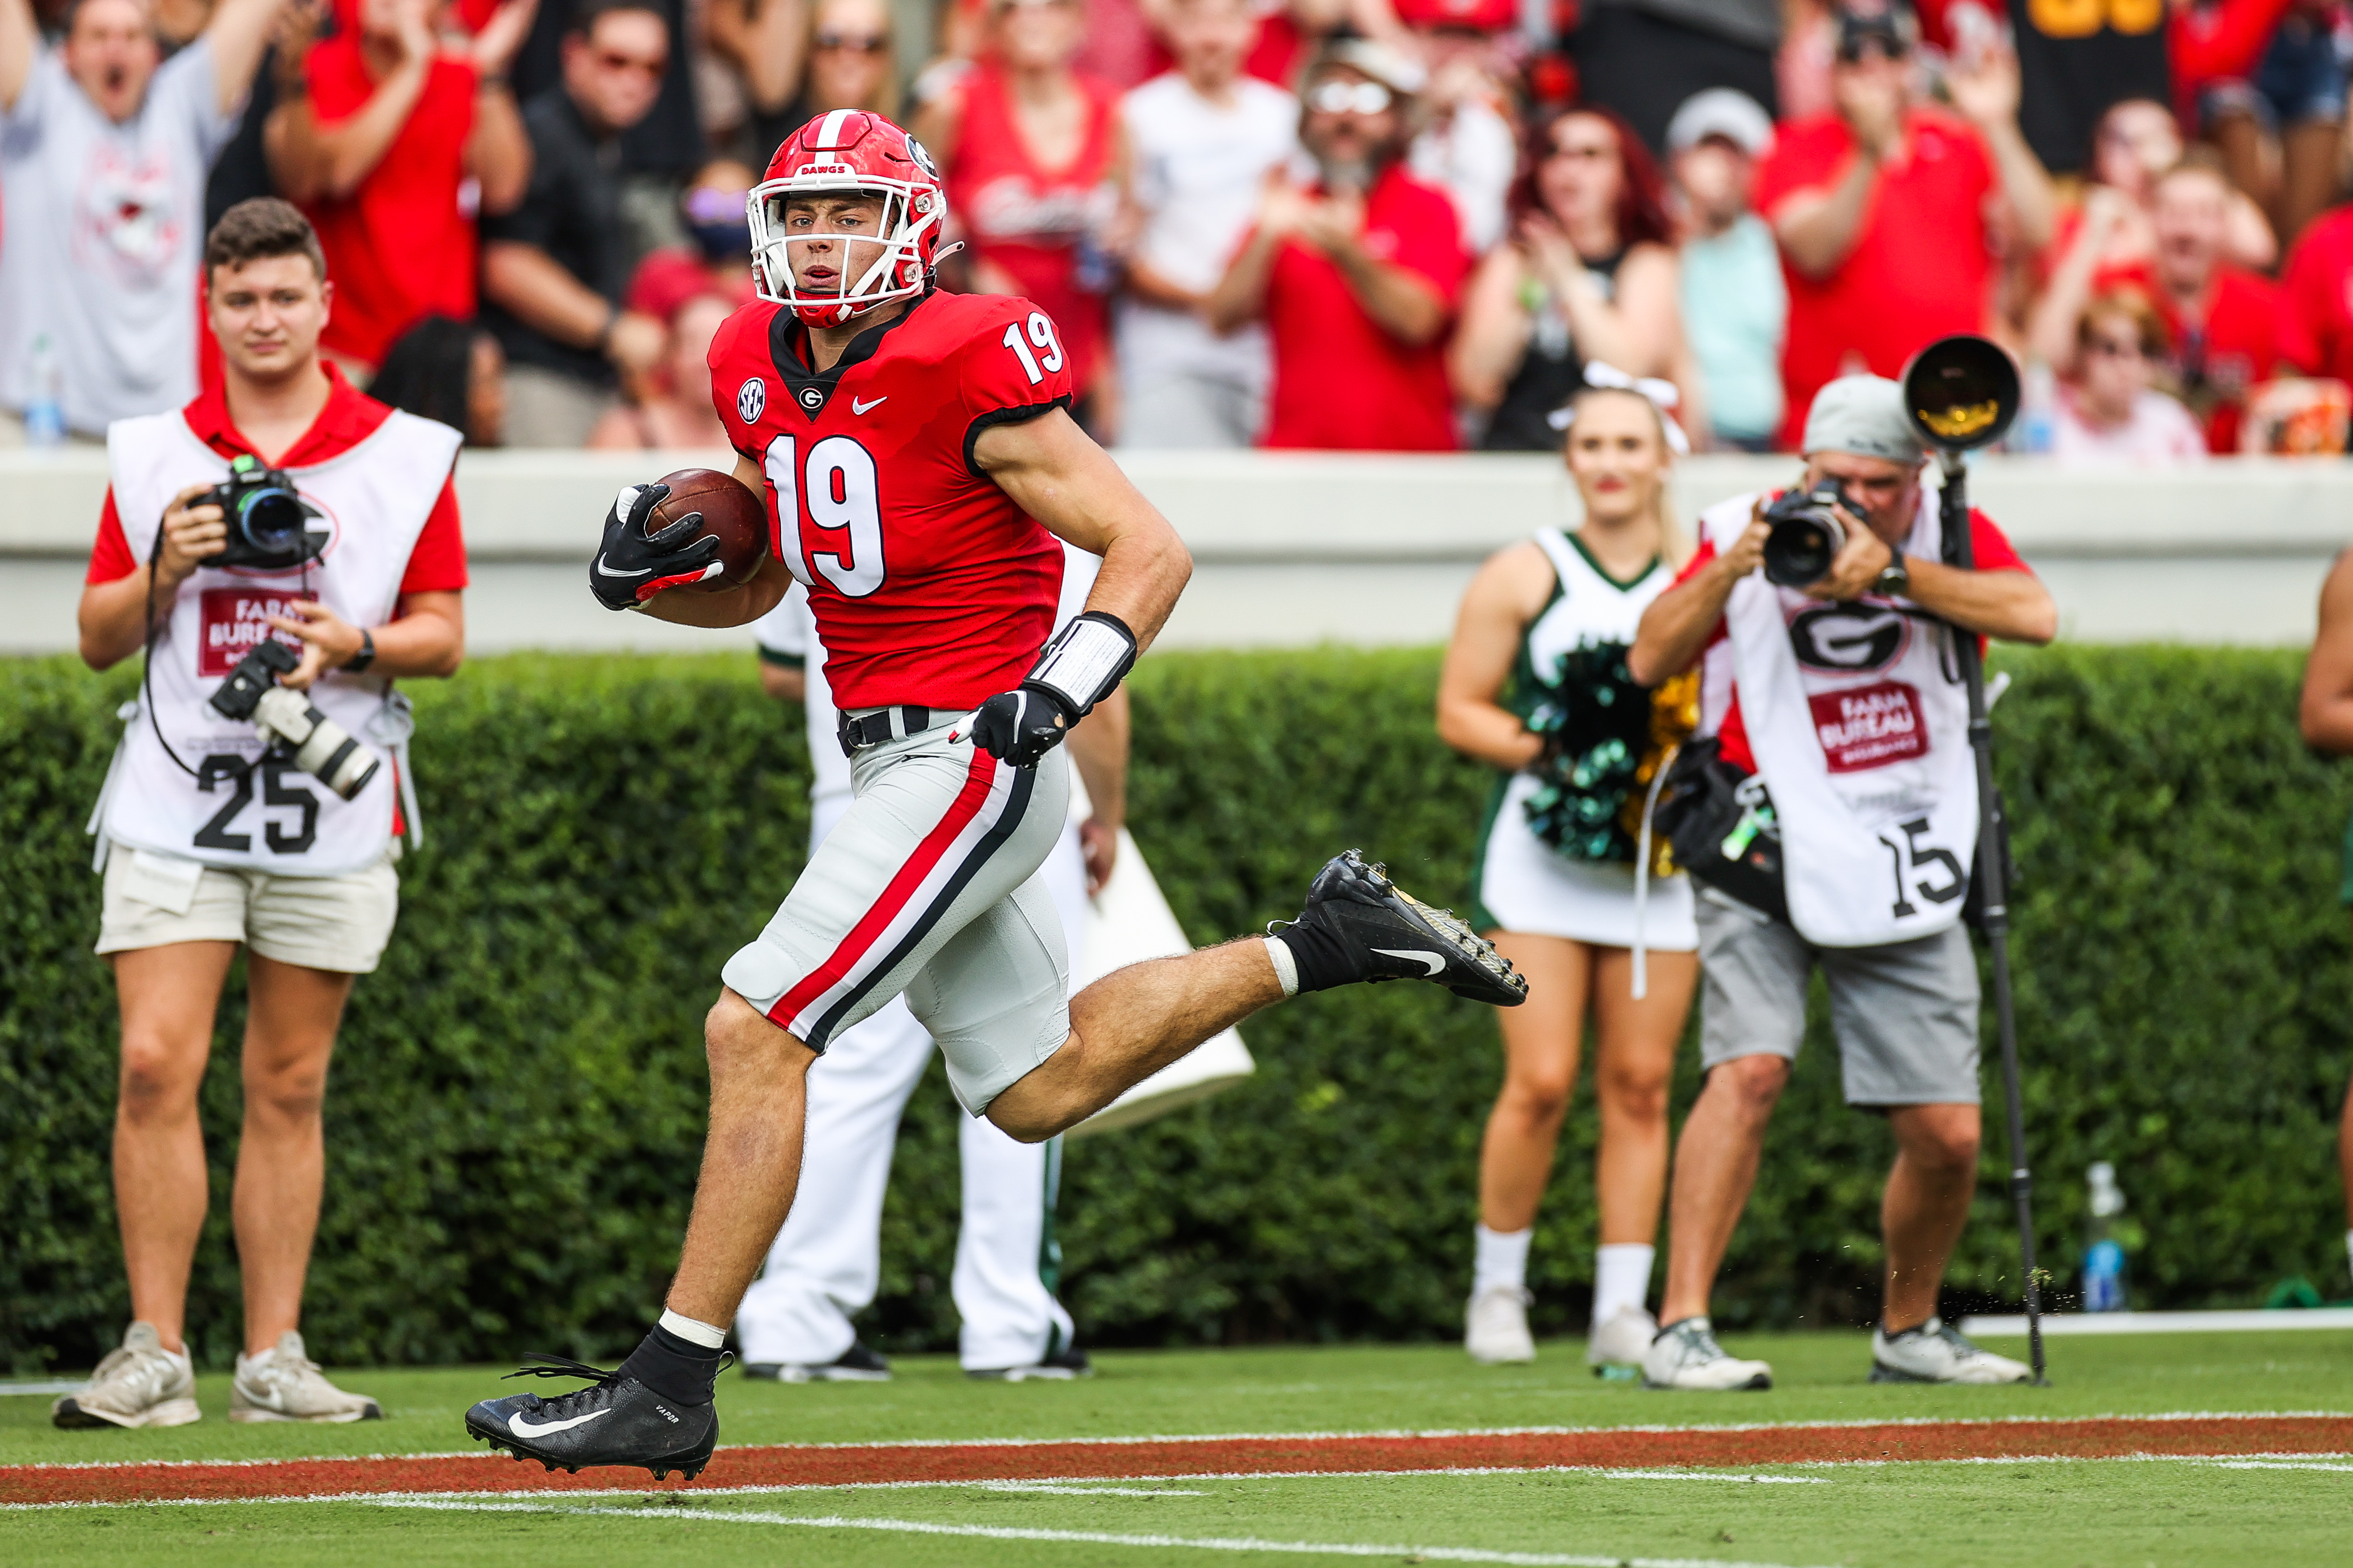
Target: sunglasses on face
(1350,98)
(1006,7)
(858,43)
(608,60)
(1852,51)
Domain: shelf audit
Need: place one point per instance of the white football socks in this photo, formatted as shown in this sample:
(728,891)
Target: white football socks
(1502,1258)
(1286,969)
(693,1330)
(1622,1278)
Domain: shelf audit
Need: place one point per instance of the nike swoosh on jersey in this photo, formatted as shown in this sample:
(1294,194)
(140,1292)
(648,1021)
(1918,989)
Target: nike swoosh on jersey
(606,571)
(858,407)
(523,1427)
(1437,964)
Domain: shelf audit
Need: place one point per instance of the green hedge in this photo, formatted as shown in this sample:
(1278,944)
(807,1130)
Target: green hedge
(516,1108)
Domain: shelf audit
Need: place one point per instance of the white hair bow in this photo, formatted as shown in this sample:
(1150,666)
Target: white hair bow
(1662,395)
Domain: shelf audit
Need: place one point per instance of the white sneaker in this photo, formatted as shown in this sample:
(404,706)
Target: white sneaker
(1622,1339)
(142,1384)
(1936,1352)
(281,1383)
(1686,1356)
(1495,1329)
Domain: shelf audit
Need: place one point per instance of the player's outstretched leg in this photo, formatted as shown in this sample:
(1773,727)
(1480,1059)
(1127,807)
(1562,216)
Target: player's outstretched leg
(656,1410)
(1356,926)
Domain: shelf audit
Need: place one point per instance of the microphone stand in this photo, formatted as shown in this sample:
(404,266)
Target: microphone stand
(1992,873)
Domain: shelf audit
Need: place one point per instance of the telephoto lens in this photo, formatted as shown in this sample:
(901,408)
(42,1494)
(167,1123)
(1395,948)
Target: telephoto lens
(1806,535)
(320,746)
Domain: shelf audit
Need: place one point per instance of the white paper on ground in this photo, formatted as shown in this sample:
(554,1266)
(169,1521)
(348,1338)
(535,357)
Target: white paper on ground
(1129,921)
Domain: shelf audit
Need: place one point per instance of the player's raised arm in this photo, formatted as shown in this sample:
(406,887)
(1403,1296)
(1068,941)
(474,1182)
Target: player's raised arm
(1058,475)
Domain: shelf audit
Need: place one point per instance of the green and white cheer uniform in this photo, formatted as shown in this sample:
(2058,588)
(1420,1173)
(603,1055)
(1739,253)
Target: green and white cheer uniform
(1554,858)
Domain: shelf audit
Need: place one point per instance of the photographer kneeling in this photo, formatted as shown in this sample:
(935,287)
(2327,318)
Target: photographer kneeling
(284,534)
(1833,821)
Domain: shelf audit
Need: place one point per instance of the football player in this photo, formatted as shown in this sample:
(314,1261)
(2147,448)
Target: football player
(918,459)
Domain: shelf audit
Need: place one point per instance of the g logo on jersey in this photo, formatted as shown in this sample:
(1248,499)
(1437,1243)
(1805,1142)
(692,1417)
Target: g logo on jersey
(812,398)
(751,400)
(1850,638)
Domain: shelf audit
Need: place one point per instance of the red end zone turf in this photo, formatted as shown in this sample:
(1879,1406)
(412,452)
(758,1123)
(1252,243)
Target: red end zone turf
(1310,1454)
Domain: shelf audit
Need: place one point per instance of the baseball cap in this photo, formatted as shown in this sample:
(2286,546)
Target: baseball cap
(1476,15)
(1721,111)
(1862,416)
(1392,69)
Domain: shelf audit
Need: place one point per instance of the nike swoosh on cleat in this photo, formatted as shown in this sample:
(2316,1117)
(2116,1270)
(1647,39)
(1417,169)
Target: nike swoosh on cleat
(858,407)
(1437,964)
(523,1427)
(606,571)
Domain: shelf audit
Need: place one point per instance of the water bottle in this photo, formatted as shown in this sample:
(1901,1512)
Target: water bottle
(45,394)
(2038,413)
(2103,1260)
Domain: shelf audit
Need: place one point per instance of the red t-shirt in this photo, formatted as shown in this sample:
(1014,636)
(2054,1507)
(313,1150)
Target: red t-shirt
(1028,219)
(1342,384)
(1919,270)
(1990,551)
(929,585)
(2236,346)
(400,248)
(437,562)
(2316,314)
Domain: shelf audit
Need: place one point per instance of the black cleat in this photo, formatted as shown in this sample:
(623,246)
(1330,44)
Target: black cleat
(1382,932)
(859,1364)
(1068,1363)
(616,1420)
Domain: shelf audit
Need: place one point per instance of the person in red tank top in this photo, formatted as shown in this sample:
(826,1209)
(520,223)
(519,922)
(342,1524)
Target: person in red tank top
(1034,158)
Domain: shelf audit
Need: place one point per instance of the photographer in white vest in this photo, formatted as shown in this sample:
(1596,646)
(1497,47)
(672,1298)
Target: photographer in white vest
(1840,700)
(339,549)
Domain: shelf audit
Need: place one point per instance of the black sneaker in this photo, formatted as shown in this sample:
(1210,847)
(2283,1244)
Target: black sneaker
(1385,933)
(1063,1364)
(616,1420)
(859,1364)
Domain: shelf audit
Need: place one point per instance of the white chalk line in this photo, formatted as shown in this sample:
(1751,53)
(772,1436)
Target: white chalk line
(1100,1536)
(1432,1434)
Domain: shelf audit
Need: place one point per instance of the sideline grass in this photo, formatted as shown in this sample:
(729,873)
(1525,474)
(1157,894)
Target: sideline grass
(2124,1512)
(1819,1376)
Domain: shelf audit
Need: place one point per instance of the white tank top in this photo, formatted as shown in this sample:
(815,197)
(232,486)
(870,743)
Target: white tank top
(376,498)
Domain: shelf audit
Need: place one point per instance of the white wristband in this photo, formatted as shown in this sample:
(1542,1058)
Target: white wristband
(1085,662)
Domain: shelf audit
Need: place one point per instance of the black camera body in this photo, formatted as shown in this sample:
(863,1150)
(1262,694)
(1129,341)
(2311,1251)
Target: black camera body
(1806,535)
(312,740)
(269,522)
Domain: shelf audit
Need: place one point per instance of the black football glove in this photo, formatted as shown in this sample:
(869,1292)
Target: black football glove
(631,568)
(1020,726)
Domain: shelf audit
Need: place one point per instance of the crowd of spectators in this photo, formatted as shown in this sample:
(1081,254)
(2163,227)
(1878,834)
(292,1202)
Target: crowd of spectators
(1375,225)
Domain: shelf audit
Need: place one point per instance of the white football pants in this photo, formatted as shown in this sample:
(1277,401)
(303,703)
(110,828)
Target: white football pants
(826,1265)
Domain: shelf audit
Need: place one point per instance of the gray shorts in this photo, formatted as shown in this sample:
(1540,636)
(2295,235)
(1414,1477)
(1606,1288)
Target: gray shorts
(1905,1016)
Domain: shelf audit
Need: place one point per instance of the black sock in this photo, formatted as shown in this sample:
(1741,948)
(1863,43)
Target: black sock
(1319,956)
(678,1369)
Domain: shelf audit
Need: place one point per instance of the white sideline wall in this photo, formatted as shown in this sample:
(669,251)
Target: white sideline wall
(1301,548)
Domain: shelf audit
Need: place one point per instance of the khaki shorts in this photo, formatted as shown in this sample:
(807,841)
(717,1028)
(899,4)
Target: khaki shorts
(337,923)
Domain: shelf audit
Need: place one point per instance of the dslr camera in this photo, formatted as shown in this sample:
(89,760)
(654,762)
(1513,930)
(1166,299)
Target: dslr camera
(284,718)
(1806,535)
(269,521)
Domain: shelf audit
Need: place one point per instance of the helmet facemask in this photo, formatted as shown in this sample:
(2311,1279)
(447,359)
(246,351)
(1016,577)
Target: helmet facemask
(876,268)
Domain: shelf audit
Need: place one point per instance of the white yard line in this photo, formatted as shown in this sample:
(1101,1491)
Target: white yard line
(1108,1538)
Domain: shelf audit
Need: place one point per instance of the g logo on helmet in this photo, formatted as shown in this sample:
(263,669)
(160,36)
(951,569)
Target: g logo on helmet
(751,400)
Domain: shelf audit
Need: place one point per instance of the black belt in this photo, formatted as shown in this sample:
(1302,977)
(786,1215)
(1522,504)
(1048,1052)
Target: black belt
(881,725)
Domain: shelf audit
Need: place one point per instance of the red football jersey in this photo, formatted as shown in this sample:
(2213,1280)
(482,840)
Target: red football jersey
(928,584)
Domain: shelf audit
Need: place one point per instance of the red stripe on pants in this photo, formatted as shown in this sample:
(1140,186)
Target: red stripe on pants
(877,920)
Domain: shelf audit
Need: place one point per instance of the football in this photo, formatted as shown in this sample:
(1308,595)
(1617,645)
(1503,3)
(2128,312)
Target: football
(734,513)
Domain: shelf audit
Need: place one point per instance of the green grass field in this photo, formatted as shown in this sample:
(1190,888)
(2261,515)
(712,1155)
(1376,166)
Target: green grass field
(2281,1510)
